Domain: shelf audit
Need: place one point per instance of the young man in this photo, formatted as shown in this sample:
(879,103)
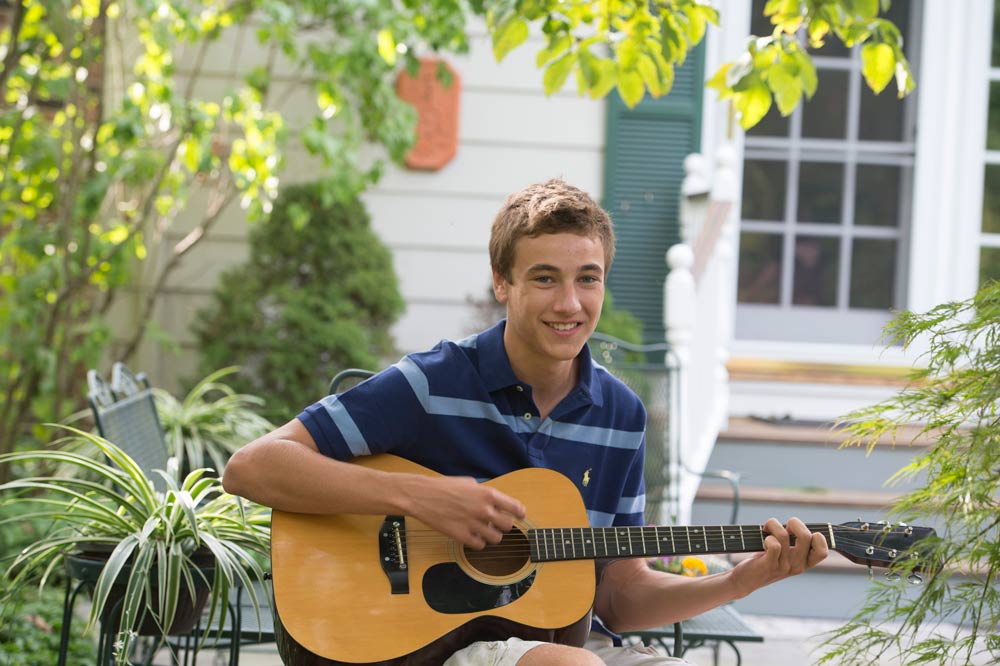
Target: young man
(523,393)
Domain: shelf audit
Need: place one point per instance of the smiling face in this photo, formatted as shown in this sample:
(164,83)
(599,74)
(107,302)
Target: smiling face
(553,298)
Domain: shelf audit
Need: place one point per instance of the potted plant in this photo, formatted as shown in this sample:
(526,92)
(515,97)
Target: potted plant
(152,549)
(211,422)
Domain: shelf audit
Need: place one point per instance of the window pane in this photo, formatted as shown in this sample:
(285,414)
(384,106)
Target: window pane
(759,268)
(989,264)
(764,189)
(873,273)
(995,61)
(991,199)
(773,124)
(817,261)
(877,196)
(899,13)
(825,115)
(881,115)
(821,185)
(993,125)
(760,25)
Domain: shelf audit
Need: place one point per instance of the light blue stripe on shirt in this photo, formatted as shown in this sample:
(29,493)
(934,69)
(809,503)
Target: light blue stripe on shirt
(600,518)
(441,406)
(348,428)
(618,439)
(632,504)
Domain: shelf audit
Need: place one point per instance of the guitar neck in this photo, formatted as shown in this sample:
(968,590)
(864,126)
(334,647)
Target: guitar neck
(585,543)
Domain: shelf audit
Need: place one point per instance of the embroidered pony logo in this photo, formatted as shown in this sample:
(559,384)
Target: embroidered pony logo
(586,478)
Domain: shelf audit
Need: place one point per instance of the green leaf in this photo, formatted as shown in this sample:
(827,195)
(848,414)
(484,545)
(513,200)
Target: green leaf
(508,36)
(630,87)
(866,9)
(719,81)
(556,73)
(607,77)
(904,79)
(752,104)
(650,75)
(878,64)
(558,43)
(807,71)
(783,81)
(387,46)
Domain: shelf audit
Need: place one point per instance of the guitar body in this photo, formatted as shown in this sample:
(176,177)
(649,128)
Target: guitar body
(338,605)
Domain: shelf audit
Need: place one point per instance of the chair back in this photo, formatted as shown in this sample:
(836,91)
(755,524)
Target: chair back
(125,414)
(345,379)
(645,369)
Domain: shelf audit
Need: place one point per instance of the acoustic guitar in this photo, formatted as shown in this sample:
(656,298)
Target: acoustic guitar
(362,589)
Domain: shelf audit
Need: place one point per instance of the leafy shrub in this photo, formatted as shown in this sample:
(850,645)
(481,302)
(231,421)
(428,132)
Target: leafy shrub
(317,295)
(210,423)
(29,631)
(953,397)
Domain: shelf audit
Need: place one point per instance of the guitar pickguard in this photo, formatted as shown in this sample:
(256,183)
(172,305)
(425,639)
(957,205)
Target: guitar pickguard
(448,589)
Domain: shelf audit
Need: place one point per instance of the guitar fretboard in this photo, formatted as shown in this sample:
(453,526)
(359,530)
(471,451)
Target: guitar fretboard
(582,543)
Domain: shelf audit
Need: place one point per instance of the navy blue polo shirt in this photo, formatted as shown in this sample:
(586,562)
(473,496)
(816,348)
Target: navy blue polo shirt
(459,409)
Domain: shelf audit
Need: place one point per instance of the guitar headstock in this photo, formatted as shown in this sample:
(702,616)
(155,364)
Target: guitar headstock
(885,545)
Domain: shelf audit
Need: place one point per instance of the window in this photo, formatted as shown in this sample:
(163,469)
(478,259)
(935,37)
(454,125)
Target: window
(826,204)
(989,240)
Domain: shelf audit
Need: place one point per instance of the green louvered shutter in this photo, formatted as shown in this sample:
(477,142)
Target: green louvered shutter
(644,168)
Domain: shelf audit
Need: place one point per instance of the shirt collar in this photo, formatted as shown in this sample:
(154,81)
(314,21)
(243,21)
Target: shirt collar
(494,366)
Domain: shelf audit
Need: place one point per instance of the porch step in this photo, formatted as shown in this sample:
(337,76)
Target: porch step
(799,468)
(809,496)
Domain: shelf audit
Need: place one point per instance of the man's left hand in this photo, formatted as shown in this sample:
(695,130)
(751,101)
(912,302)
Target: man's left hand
(780,558)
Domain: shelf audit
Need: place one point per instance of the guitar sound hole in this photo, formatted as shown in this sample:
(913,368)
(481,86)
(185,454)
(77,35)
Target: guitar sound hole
(505,558)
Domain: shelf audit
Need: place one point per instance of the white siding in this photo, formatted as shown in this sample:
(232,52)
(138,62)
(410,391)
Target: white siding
(436,224)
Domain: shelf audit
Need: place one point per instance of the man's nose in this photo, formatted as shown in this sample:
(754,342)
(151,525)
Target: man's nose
(568,300)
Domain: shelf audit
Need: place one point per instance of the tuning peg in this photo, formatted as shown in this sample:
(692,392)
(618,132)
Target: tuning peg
(871,572)
(892,576)
(914,579)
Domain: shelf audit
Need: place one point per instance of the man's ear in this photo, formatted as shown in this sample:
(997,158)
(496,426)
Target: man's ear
(500,286)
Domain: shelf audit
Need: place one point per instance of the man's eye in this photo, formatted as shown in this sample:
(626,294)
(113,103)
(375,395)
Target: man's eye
(544,279)
(590,279)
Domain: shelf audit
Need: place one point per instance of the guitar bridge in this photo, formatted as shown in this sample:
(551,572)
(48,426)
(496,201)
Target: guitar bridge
(392,553)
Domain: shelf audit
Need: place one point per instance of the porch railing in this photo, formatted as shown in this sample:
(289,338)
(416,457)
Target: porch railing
(698,315)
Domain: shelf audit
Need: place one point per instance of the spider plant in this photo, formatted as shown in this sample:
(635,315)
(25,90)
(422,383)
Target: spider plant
(211,422)
(152,541)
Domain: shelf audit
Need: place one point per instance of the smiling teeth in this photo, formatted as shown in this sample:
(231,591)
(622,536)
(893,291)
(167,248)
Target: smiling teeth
(563,327)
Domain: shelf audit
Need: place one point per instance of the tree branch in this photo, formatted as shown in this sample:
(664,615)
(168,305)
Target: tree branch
(224,195)
(15,37)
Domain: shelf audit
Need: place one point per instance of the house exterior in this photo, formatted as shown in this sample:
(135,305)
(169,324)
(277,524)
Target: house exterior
(854,206)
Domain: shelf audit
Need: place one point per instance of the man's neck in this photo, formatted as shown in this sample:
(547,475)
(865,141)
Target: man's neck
(550,381)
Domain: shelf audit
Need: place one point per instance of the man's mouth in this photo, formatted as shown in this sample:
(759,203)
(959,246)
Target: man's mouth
(569,326)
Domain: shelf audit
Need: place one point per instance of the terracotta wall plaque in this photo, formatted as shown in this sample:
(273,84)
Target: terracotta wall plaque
(437,114)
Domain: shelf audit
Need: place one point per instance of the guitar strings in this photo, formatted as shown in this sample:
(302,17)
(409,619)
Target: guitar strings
(813,527)
(524,553)
(521,546)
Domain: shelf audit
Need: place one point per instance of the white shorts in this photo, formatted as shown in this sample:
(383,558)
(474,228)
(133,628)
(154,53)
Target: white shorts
(508,652)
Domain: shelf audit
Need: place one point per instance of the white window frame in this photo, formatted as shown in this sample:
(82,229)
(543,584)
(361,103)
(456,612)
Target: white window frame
(990,157)
(837,323)
(952,99)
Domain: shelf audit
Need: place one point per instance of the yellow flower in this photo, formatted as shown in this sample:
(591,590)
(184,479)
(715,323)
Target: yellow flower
(694,566)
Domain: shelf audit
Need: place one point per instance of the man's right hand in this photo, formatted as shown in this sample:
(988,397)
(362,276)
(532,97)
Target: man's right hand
(469,512)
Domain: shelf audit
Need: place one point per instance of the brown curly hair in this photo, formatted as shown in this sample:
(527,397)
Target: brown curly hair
(551,207)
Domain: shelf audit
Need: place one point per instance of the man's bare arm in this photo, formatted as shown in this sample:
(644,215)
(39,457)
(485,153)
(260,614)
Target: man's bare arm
(631,596)
(285,470)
